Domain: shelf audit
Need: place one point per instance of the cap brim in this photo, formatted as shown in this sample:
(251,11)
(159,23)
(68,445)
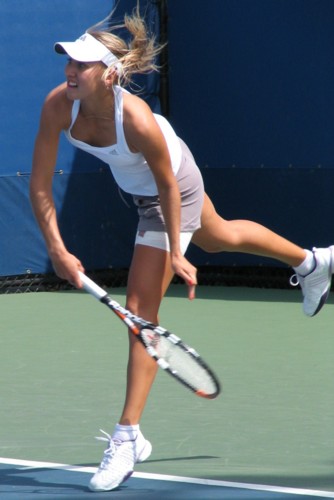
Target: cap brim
(76,51)
(59,48)
(86,49)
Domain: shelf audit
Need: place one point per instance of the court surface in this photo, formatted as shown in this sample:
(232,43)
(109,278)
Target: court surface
(269,435)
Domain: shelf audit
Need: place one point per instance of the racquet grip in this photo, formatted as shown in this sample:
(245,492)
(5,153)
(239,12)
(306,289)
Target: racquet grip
(92,287)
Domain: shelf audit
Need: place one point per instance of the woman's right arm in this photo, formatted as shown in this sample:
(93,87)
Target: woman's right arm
(55,117)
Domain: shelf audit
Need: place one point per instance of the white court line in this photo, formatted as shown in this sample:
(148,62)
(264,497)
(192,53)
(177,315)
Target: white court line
(27,464)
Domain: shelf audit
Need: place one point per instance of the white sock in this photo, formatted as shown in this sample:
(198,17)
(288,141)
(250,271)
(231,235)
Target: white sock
(125,432)
(307,266)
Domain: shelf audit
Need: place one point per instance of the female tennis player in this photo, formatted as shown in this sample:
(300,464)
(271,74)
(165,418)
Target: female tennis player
(151,163)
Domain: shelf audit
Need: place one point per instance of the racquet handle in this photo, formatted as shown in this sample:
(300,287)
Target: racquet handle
(92,287)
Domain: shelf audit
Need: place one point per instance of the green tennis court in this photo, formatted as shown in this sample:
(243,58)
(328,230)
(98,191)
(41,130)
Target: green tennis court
(63,362)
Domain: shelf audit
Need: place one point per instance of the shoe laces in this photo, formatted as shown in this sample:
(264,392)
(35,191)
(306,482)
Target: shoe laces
(294,280)
(110,451)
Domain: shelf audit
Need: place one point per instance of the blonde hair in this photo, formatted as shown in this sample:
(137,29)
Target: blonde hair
(135,56)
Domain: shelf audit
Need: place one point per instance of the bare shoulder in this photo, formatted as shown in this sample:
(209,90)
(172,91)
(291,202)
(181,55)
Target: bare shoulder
(56,109)
(140,126)
(136,112)
(141,129)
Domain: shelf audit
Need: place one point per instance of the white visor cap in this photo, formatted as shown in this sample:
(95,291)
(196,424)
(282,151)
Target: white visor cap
(86,49)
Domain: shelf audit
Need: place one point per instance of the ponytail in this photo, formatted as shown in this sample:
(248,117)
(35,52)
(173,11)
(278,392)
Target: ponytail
(138,55)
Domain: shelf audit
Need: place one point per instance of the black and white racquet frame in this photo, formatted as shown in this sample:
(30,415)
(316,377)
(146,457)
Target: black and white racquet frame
(168,350)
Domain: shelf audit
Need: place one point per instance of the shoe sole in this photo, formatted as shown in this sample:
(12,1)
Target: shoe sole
(325,295)
(113,487)
(322,302)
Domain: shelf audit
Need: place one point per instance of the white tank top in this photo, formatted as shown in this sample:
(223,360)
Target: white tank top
(130,170)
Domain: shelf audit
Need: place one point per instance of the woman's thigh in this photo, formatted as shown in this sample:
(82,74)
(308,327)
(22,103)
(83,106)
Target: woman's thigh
(149,277)
(214,229)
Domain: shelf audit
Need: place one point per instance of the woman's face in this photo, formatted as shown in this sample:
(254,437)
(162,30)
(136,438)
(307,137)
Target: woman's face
(83,79)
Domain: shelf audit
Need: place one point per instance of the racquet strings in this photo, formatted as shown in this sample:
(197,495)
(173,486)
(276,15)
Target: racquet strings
(180,361)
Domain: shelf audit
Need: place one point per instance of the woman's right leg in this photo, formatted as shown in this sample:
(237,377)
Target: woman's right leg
(219,235)
(313,269)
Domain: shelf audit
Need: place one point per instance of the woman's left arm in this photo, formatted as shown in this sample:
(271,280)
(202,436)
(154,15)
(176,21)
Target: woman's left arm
(144,135)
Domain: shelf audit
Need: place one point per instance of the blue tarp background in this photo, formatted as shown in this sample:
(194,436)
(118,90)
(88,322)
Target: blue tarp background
(92,214)
(251,82)
(251,92)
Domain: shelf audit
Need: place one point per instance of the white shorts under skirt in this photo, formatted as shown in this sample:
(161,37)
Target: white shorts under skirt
(191,187)
(151,229)
(159,239)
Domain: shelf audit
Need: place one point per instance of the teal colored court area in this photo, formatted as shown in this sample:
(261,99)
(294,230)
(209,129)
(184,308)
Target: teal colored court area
(268,435)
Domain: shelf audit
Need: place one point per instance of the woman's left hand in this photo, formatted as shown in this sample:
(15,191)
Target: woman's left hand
(183,268)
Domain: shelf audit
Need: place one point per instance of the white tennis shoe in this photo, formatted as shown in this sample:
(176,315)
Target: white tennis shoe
(118,461)
(316,285)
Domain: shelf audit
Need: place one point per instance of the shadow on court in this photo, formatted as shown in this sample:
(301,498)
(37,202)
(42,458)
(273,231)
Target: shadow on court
(47,483)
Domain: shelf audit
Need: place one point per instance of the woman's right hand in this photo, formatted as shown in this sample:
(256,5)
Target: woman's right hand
(67,267)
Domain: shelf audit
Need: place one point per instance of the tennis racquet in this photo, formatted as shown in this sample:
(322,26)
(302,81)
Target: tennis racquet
(168,350)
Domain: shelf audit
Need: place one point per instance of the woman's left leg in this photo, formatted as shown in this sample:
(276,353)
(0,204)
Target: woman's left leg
(149,277)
